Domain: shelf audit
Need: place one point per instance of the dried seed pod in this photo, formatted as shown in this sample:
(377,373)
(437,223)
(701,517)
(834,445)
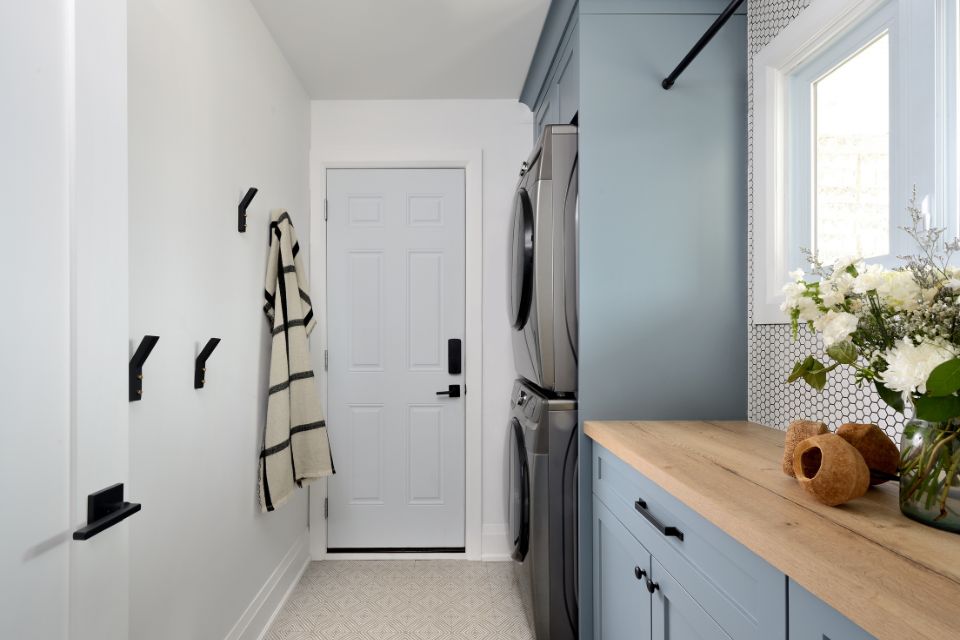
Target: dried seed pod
(876,447)
(831,469)
(797,432)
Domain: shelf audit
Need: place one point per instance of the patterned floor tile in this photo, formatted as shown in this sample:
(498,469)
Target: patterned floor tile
(403,600)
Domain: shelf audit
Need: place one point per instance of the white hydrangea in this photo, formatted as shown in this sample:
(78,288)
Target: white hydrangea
(836,326)
(792,295)
(901,291)
(834,290)
(871,278)
(909,365)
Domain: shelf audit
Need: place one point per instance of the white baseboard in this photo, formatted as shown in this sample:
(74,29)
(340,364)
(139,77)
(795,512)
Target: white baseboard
(495,543)
(258,616)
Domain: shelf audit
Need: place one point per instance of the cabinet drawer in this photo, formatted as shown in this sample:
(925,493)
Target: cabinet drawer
(813,619)
(742,592)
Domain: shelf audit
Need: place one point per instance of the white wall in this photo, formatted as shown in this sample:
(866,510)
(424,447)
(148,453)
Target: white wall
(501,129)
(34,366)
(214,108)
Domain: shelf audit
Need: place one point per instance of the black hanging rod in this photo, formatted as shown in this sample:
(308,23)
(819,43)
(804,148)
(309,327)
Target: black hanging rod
(701,43)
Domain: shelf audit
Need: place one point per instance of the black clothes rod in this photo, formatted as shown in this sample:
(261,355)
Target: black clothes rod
(136,366)
(105,508)
(242,209)
(701,43)
(200,368)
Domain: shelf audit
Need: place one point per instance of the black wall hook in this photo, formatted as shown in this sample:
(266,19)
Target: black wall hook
(200,367)
(242,209)
(136,366)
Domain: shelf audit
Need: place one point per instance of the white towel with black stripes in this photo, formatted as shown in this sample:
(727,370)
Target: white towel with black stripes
(295,447)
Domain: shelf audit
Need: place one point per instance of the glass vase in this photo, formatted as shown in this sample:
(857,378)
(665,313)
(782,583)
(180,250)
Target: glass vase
(930,473)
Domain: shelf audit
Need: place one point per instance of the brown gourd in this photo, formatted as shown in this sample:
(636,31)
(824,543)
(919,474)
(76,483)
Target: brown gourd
(797,432)
(831,469)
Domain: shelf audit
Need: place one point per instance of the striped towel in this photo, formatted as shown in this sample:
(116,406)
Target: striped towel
(295,446)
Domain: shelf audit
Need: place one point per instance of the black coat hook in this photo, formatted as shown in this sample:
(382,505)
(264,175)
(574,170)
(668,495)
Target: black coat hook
(136,366)
(200,368)
(242,209)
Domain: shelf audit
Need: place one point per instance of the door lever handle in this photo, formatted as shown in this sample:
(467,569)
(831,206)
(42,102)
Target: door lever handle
(453,391)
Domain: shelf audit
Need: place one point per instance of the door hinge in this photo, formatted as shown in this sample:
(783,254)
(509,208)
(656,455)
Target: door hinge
(326,508)
(325,208)
(326,360)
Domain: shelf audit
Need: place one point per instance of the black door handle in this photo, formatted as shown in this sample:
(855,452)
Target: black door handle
(640,573)
(453,391)
(652,586)
(641,506)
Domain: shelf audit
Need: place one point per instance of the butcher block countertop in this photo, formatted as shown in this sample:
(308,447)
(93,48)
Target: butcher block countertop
(894,577)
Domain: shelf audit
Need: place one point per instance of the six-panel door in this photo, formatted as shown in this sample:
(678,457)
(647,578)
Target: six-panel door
(396,279)
(620,571)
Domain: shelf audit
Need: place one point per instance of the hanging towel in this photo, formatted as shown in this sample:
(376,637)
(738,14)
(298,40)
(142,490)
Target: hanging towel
(295,446)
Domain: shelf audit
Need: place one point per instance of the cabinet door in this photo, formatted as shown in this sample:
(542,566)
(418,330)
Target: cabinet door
(620,597)
(676,615)
(813,619)
(547,112)
(568,80)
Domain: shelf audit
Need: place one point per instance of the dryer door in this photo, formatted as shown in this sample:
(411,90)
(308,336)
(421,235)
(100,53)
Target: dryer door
(519,492)
(520,286)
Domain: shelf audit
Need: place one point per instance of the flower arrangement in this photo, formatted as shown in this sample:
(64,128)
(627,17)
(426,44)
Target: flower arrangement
(899,329)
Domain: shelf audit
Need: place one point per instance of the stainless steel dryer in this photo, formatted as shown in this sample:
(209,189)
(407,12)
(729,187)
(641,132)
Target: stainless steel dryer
(543,509)
(543,269)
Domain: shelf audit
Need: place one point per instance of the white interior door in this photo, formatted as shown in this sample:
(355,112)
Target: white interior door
(64,337)
(395,272)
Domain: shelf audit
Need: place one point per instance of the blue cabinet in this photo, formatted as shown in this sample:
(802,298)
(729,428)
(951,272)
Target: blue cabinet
(662,572)
(619,581)
(676,615)
(813,619)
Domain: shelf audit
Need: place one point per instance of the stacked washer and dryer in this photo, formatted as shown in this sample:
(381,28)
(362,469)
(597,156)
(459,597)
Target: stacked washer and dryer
(543,424)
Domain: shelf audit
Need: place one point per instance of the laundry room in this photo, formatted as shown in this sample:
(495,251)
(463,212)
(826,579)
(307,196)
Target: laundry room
(490,320)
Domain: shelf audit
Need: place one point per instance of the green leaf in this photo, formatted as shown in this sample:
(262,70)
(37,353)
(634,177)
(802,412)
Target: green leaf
(945,379)
(843,352)
(798,370)
(893,398)
(937,409)
(815,374)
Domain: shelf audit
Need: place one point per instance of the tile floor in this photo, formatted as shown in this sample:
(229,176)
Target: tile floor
(403,600)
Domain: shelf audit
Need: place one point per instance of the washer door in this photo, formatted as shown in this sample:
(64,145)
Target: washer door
(519,492)
(521,260)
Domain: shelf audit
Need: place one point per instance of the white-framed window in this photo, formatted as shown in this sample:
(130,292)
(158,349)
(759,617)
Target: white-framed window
(854,106)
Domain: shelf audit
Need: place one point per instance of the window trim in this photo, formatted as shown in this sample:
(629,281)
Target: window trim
(917,158)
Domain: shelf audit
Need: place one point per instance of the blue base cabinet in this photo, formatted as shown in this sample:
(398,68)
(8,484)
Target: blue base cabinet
(813,619)
(621,565)
(662,572)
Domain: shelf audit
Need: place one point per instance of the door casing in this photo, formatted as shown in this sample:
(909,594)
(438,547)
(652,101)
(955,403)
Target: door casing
(471,161)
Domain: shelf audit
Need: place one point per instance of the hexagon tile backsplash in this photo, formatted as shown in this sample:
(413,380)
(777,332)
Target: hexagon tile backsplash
(771,350)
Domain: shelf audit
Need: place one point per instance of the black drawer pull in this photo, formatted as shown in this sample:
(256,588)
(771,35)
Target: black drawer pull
(637,571)
(641,506)
(652,586)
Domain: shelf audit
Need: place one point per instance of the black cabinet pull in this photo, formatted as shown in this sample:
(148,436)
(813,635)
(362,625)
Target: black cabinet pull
(652,586)
(641,506)
(640,573)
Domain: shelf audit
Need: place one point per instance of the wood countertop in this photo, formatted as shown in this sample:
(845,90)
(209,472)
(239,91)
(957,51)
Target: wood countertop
(894,577)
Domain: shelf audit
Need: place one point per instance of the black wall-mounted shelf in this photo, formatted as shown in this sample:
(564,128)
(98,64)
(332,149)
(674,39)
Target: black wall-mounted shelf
(105,508)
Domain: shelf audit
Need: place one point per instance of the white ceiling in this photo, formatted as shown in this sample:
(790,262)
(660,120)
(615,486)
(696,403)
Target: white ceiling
(407,49)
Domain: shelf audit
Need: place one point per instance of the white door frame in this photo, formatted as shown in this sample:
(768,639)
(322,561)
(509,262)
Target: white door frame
(471,161)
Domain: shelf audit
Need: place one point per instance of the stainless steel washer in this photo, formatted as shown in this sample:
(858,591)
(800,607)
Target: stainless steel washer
(543,509)
(543,264)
